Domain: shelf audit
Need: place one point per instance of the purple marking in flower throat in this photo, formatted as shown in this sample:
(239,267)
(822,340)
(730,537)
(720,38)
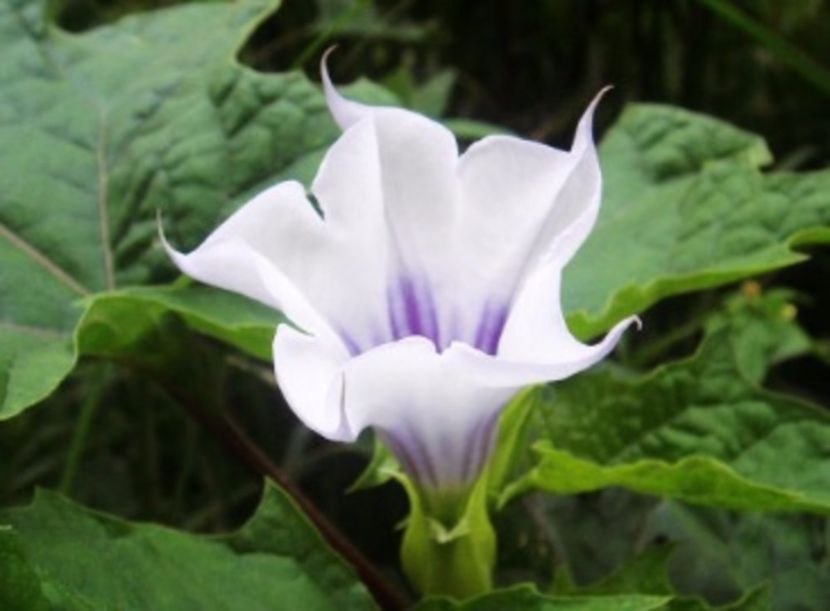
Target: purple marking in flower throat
(478,447)
(412,311)
(414,458)
(351,343)
(490,328)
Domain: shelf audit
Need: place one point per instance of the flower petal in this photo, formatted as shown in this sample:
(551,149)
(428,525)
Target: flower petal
(328,275)
(389,185)
(536,345)
(345,112)
(358,258)
(509,188)
(308,372)
(577,204)
(415,175)
(500,372)
(436,415)
(522,201)
(252,252)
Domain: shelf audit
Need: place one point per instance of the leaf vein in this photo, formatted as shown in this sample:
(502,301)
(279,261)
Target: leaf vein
(103,212)
(42,260)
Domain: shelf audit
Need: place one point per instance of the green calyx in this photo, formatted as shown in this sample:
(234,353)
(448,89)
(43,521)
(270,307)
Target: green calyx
(449,546)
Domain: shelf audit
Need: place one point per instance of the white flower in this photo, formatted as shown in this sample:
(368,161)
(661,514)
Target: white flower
(427,293)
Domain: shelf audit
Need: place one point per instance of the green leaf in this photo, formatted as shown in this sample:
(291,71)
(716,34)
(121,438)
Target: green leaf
(510,454)
(381,468)
(101,143)
(719,554)
(129,313)
(648,574)
(21,587)
(116,323)
(87,560)
(756,600)
(762,328)
(470,129)
(433,95)
(33,361)
(696,430)
(363,20)
(638,533)
(685,208)
(526,597)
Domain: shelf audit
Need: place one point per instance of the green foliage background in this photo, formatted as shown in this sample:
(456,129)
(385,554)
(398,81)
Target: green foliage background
(690,473)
